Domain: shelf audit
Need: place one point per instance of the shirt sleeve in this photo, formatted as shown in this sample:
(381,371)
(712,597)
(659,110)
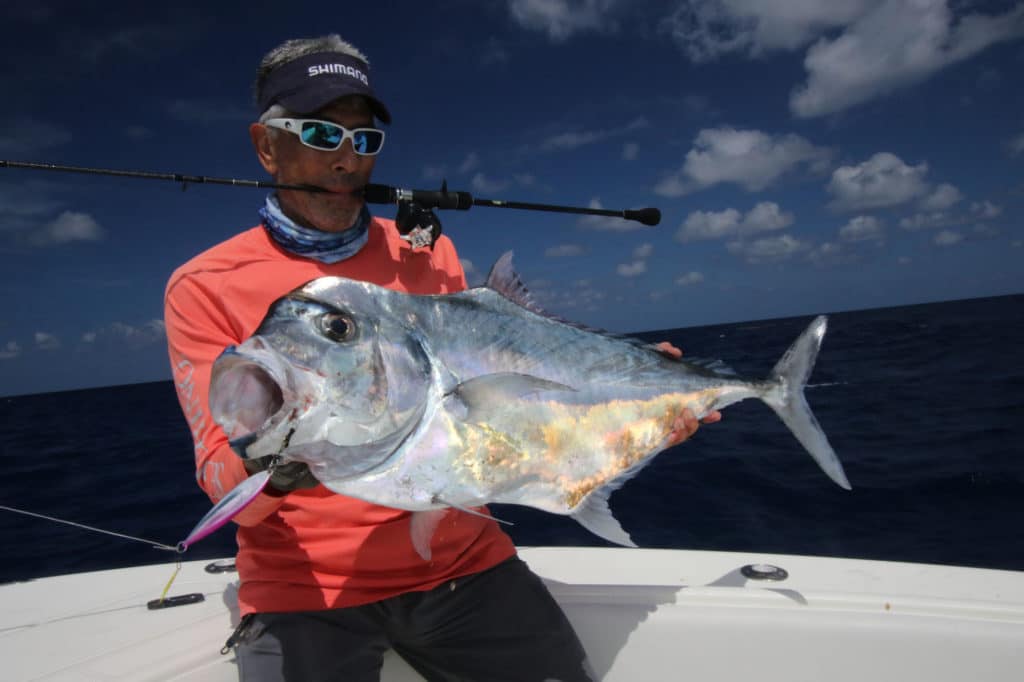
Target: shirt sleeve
(197,331)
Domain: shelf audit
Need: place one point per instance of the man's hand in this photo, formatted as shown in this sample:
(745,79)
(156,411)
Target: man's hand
(685,424)
(286,477)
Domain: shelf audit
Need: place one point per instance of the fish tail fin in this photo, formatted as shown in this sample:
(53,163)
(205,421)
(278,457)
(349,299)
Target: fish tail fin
(786,397)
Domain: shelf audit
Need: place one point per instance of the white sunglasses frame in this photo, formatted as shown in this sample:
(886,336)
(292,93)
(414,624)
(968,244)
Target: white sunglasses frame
(294,126)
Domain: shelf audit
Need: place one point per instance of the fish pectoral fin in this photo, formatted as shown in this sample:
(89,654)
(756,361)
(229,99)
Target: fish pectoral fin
(485,393)
(594,514)
(422,525)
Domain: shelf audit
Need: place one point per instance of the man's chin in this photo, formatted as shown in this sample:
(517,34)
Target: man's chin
(338,221)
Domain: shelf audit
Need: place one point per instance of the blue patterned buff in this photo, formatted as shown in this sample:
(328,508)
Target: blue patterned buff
(326,247)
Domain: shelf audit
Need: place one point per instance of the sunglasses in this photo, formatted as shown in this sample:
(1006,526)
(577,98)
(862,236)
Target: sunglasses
(327,136)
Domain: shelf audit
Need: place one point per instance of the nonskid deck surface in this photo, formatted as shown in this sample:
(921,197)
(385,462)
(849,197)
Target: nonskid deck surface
(642,615)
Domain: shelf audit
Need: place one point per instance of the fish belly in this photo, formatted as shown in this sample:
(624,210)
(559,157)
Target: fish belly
(550,455)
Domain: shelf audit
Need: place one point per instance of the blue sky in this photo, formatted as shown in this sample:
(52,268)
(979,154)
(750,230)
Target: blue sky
(805,158)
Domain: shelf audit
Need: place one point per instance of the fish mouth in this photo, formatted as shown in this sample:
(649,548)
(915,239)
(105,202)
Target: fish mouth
(245,398)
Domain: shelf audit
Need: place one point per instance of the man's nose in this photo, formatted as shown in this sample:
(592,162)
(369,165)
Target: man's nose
(345,158)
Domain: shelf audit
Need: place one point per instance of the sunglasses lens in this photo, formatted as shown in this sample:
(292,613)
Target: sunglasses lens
(322,135)
(367,141)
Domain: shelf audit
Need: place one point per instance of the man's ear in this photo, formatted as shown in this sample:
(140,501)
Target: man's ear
(260,136)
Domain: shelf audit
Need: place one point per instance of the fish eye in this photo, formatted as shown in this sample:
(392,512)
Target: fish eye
(337,326)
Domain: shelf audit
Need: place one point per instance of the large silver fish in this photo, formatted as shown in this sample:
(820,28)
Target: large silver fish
(428,402)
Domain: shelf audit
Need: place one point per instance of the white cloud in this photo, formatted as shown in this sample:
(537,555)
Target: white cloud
(883,180)
(144,334)
(638,265)
(750,158)
(709,225)
(862,49)
(689,279)
(979,210)
(563,251)
(985,230)
(709,29)
(986,210)
(631,150)
(46,341)
(948,238)
(434,172)
(580,138)
(643,251)
(560,19)
(23,137)
(632,269)
(826,253)
(927,221)
(941,198)
(1015,145)
(494,53)
(764,217)
(10,350)
(23,204)
(862,228)
(138,132)
(481,183)
(470,163)
(768,249)
(208,111)
(473,276)
(69,226)
(894,45)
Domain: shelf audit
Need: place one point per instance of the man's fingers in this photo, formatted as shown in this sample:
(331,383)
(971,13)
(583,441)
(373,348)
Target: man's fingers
(712,417)
(669,350)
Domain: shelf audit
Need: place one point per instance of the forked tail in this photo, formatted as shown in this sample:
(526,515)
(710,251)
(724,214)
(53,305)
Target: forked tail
(786,397)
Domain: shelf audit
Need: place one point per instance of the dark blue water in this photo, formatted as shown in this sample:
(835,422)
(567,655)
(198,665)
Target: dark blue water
(924,404)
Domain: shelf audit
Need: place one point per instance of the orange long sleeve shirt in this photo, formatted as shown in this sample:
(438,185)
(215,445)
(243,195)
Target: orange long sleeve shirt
(310,549)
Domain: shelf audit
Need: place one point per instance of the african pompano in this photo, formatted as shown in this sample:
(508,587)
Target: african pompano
(428,402)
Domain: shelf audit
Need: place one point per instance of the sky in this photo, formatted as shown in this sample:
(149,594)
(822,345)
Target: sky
(807,156)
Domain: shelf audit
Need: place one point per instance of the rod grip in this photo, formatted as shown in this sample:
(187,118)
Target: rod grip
(647,216)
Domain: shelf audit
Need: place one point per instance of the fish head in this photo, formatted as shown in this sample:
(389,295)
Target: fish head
(332,377)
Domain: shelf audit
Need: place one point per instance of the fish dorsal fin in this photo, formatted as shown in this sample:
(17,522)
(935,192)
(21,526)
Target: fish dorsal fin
(484,394)
(504,279)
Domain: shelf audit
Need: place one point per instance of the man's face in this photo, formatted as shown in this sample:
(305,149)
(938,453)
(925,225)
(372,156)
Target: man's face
(341,171)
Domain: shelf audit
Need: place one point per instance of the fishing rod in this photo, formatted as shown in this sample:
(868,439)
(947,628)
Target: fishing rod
(372,193)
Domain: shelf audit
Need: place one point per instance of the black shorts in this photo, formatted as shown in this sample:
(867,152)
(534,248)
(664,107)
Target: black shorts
(497,625)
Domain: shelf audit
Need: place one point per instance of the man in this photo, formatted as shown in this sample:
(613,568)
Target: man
(328,583)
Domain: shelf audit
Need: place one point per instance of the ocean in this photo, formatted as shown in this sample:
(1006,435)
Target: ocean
(924,405)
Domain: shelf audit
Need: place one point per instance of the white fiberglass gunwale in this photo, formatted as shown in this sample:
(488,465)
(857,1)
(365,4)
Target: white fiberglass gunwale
(642,615)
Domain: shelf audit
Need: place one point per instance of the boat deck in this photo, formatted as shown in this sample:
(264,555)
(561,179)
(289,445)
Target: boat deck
(642,615)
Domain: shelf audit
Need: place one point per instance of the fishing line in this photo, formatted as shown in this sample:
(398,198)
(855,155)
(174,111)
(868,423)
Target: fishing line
(152,543)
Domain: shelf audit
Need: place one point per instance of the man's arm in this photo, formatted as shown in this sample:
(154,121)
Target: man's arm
(197,332)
